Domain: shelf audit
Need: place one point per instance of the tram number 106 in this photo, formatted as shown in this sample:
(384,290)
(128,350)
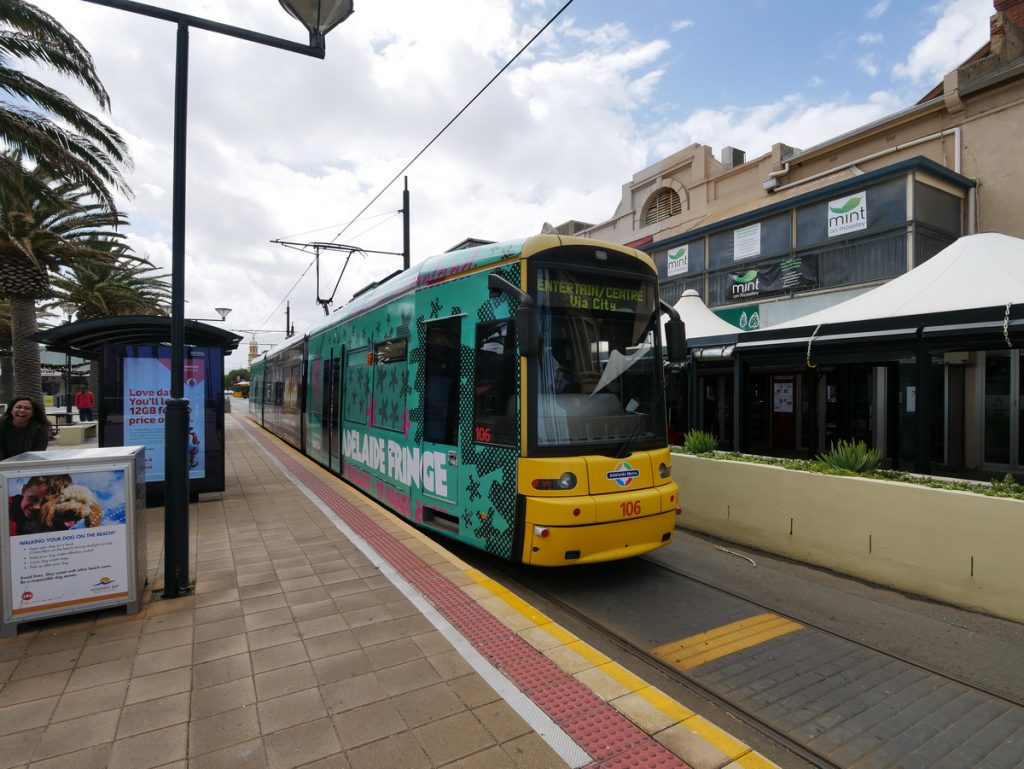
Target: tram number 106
(629,509)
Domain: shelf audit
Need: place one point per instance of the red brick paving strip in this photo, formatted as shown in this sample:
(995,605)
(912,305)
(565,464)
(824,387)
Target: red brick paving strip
(599,729)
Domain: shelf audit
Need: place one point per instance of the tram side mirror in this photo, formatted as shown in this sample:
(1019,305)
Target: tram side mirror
(526,330)
(526,315)
(675,340)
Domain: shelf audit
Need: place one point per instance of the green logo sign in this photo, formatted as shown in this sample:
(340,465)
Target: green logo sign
(746,318)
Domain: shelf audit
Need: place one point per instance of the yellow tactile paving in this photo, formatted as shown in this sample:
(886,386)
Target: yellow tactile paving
(688,653)
(674,725)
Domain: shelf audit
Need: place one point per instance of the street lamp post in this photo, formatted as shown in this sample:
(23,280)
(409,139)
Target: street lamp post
(69,309)
(318,17)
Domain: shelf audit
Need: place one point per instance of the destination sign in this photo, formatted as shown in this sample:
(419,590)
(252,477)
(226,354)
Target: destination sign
(563,291)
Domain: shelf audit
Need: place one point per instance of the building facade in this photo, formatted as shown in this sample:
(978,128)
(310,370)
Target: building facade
(777,237)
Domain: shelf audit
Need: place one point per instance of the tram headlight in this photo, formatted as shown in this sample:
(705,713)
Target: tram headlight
(664,470)
(564,482)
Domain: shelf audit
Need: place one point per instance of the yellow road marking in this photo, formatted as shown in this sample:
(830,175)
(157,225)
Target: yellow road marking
(688,653)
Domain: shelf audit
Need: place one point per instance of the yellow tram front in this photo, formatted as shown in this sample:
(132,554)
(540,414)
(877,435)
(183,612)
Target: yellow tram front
(594,478)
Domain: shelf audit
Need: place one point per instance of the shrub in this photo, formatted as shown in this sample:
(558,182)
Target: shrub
(852,457)
(699,442)
(1008,485)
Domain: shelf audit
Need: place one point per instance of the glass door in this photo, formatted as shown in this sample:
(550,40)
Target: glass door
(1002,409)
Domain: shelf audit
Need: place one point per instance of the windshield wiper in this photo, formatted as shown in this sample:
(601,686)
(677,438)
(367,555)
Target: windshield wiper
(623,451)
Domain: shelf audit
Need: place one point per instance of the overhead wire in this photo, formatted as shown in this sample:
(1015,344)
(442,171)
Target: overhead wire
(458,114)
(427,146)
(391,215)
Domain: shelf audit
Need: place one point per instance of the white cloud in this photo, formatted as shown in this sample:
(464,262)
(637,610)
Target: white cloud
(791,120)
(867,65)
(280,143)
(681,24)
(870,38)
(877,9)
(960,29)
(285,146)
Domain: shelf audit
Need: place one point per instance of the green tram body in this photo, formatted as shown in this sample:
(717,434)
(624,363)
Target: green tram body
(413,394)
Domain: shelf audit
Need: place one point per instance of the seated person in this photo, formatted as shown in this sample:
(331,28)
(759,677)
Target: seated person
(565,382)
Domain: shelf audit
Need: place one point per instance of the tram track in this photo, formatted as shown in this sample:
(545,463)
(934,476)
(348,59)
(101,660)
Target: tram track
(926,667)
(691,684)
(537,586)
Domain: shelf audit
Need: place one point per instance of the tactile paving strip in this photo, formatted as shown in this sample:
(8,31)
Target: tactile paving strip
(599,729)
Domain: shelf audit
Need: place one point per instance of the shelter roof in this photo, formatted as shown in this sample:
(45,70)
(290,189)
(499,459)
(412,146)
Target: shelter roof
(85,337)
(984,270)
(970,295)
(700,321)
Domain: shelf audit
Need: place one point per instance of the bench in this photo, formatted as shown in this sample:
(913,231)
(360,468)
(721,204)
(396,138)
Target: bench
(61,418)
(70,435)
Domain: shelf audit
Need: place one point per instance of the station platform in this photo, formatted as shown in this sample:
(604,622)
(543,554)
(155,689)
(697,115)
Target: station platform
(325,632)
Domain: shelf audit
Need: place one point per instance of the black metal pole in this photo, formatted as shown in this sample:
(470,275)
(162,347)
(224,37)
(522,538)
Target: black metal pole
(176,572)
(67,390)
(405,226)
(176,422)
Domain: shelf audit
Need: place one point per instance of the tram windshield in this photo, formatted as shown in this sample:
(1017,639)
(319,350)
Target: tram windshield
(596,377)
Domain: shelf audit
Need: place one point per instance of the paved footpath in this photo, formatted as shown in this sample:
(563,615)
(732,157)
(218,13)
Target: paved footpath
(325,632)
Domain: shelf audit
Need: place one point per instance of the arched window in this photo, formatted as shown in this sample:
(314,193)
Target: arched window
(662,205)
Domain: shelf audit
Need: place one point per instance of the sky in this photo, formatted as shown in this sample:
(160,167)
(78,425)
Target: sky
(287,147)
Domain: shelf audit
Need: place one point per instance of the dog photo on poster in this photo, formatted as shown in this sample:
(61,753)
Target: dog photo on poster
(68,539)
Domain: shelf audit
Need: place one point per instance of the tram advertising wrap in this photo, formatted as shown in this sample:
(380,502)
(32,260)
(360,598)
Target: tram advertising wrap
(509,396)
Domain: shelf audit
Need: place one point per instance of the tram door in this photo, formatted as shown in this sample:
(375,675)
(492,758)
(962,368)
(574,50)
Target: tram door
(332,409)
(439,452)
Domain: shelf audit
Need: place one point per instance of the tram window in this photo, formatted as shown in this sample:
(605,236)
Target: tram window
(357,387)
(441,383)
(389,377)
(494,397)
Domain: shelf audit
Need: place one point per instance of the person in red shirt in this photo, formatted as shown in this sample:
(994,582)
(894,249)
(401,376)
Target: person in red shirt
(84,401)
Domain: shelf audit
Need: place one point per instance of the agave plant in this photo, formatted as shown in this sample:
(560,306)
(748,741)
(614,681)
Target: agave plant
(854,457)
(699,442)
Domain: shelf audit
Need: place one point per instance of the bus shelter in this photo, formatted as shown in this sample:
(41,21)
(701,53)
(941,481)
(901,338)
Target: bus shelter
(133,357)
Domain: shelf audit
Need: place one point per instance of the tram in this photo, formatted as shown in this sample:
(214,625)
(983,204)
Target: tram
(509,396)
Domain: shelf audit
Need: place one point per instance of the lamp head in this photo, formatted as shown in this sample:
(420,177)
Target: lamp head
(318,16)
(223,312)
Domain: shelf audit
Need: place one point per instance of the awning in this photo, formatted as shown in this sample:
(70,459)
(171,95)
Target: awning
(84,338)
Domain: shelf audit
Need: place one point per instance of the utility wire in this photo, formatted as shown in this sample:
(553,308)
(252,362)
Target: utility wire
(389,213)
(447,125)
(427,146)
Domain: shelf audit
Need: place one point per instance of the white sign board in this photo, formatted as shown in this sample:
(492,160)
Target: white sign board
(849,214)
(678,261)
(68,541)
(746,241)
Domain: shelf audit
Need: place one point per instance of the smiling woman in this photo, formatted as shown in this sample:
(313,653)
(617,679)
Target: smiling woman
(23,427)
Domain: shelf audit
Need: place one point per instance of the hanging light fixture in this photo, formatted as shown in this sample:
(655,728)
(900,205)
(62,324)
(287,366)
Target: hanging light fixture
(318,16)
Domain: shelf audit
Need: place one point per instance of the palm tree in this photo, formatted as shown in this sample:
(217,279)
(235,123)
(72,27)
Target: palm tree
(103,290)
(42,123)
(6,375)
(39,236)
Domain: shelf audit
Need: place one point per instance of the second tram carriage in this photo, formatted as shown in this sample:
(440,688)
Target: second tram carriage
(509,396)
